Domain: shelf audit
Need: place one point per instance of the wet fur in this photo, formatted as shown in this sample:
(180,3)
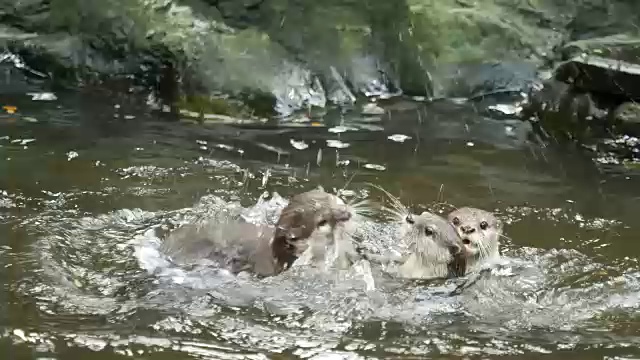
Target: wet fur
(234,246)
(435,256)
(483,244)
(307,225)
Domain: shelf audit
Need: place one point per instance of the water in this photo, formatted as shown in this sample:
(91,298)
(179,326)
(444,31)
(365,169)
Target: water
(81,274)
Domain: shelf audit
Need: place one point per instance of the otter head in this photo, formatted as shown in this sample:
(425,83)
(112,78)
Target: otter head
(310,219)
(479,230)
(433,237)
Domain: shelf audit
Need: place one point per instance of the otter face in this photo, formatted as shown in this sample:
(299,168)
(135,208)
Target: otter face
(309,220)
(479,230)
(433,236)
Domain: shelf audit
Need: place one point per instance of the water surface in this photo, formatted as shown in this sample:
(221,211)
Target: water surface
(83,187)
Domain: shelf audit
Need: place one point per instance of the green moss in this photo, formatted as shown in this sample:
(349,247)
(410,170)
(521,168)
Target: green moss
(203,104)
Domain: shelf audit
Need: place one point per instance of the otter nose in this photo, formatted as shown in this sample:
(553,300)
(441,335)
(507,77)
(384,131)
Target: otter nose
(342,215)
(467,229)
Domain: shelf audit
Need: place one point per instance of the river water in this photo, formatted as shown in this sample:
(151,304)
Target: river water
(86,179)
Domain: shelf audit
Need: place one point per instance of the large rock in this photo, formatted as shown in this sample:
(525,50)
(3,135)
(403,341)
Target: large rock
(301,53)
(602,75)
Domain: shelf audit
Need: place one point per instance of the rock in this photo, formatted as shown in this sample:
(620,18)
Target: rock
(601,75)
(558,109)
(596,84)
(486,78)
(458,33)
(627,118)
(618,46)
(628,112)
(317,52)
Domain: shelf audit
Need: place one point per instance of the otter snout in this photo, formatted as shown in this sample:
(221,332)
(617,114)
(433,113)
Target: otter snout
(342,214)
(467,229)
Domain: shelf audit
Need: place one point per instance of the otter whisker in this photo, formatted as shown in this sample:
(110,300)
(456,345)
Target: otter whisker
(445,203)
(348,182)
(396,215)
(506,237)
(481,249)
(484,249)
(362,207)
(395,202)
(397,205)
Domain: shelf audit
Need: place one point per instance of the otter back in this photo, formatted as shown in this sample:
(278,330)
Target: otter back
(234,246)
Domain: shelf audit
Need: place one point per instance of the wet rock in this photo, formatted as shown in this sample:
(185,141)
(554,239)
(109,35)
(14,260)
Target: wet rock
(628,113)
(487,78)
(618,46)
(603,75)
(592,87)
(320,52)
(559,109)
(627,118)
(466,32)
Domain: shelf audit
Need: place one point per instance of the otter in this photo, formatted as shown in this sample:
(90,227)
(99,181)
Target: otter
(480,232)
(436,249)
(311,221)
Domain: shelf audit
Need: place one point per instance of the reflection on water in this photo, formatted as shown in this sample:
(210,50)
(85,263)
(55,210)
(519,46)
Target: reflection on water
(85,193)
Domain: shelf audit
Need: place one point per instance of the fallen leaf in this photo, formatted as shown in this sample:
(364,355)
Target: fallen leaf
(10,109)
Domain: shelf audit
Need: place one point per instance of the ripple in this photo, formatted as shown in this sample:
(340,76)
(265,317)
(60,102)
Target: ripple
(109,267)
(83,270)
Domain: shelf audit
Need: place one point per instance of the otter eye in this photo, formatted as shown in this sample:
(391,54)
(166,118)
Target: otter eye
(322,223)
(484,225)
(456,221)
(428,231)
(409,219)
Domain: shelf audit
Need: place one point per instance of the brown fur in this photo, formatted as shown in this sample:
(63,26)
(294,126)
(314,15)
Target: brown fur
(436,254)
(259,249)
(468,223)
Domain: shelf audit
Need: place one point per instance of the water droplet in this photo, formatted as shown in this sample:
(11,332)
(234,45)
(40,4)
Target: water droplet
(337,144)
(43,96)
(398,137)
(375,167)
(71,155)
(341,129)
(372,109)
(300,145)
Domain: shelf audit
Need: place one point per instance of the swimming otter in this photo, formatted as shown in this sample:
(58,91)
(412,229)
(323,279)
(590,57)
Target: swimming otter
(480,232)
(436,249)
(307,224)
